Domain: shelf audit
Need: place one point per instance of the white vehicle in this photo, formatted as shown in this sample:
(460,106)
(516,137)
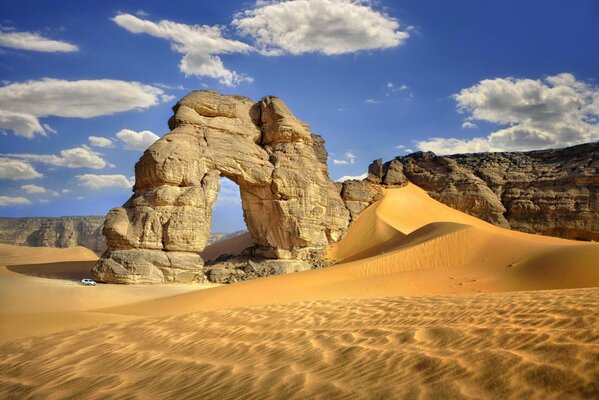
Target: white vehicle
(88,282)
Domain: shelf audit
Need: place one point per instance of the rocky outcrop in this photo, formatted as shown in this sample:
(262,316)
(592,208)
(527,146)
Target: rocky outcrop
(54,232)
(291,207)
(549,192)
(64,232)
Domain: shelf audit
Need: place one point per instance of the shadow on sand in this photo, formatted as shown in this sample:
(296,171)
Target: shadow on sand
(69,270)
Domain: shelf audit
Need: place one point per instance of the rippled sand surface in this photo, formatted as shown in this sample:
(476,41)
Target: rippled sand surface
(425,303)
(533,345)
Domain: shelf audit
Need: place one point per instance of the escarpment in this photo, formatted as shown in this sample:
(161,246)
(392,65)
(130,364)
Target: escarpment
(291,207)
(550,192)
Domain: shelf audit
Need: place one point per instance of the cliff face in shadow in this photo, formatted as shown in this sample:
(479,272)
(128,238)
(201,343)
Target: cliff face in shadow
(550,192)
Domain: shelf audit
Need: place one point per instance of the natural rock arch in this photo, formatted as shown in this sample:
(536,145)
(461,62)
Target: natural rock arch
(291,207)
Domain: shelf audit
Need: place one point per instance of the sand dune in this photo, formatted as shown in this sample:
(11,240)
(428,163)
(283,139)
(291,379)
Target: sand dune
(426,302)
(533,345)
(434,250)
(39,294)
(232,246)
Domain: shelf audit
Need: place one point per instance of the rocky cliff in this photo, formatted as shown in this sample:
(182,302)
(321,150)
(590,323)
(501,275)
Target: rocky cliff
(66,232)
(291,207)
(54,232)
(549,192)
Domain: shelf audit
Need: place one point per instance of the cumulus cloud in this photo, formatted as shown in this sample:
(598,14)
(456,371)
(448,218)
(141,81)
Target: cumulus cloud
(318,26)
(99,141)
(17,169)
(97,182)
(23,103)
(469,125)
(556,111)
(13,201)
(34,42)
(354,177)
(350,158)
(199,44)
(25,125)
(77,157)
(33,189)
(137,140)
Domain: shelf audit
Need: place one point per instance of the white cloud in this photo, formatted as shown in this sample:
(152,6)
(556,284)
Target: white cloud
(199,44)
(137,140)
(556,111)
(371,101)
(454,146)
(44,201)
(469,125)
(97,182)
(77,157)
(17,169)
(229,192)
(21,104)
(65,191)
(48,128)
(355,177)
(350,158)
(24,125)
(318,26)
(13,201)
(99,141)
(33,189)
(34,42)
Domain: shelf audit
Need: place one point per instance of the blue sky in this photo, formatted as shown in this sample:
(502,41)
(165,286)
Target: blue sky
(375,79)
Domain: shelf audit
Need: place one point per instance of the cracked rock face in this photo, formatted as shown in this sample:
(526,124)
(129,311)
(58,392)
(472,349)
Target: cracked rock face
(550,192)
(291,207)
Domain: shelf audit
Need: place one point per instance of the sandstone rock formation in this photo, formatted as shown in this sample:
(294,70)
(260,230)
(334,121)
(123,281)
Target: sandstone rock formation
(550,192)
(54,232)
(291,207)
(64,232)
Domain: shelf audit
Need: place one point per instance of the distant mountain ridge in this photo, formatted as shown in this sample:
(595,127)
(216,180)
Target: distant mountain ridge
(553,192)
(63,232)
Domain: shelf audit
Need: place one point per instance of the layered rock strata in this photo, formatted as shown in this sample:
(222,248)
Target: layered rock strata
(291,207)
(54,232)
(549,192)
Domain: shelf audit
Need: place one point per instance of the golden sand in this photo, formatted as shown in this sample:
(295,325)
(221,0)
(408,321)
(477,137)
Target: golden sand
(426,302)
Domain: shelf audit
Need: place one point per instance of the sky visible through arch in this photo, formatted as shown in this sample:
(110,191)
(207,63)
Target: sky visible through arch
(87,86)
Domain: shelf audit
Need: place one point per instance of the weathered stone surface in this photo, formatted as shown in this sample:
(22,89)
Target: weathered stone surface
(241,268)
(290,206)
(358,195)
(149,266)
(550,192)
(83,231)
(54,232)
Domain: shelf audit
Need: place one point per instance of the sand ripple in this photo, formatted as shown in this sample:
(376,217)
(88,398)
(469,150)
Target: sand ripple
(510,345)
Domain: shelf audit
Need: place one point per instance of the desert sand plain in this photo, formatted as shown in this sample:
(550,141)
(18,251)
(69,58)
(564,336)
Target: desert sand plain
(424,302)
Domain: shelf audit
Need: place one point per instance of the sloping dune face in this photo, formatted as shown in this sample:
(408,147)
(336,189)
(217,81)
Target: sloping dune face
(426,302)
(534,345)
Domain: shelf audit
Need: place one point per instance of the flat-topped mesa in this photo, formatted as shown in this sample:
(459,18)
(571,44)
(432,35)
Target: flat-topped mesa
(291,207)
(551,192)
